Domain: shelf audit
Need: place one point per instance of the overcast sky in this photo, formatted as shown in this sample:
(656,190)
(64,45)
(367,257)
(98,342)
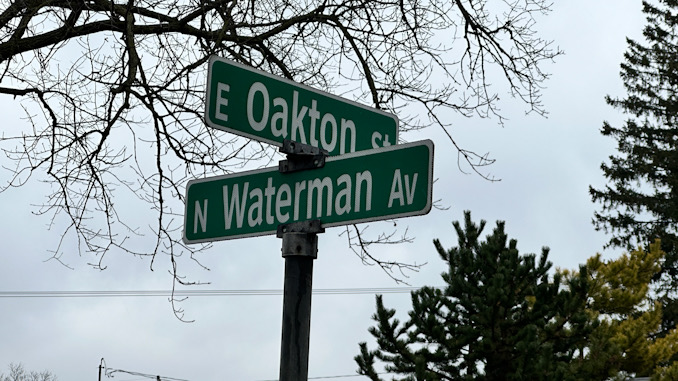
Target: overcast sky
(545,166)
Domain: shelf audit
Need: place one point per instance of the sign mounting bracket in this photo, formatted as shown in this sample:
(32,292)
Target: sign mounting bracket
(300,157)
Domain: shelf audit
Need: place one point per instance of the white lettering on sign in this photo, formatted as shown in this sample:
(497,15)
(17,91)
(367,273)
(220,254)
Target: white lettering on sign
(271,205)
(279,116)
(328,119)
(318,185)
(360,179)
(298,119)
(347,125)
(200,215)
(379,140)
(281,203)
(235,205)
(221,101)
(269,192)
(303,123)
(343,194)
(255,207)
(397,189)
(259,125)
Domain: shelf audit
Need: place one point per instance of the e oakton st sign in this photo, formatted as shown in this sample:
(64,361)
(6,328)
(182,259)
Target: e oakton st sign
(258,105)
(383,183)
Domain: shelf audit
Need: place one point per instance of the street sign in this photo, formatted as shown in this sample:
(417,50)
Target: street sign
(264,107)
(378,184)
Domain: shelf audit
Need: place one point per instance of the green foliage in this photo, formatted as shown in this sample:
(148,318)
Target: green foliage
(640,202)
(626,341)
(621,286)
(500,317)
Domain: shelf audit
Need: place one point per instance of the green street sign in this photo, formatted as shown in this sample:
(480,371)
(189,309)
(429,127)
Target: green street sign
(378,184)
(264,107)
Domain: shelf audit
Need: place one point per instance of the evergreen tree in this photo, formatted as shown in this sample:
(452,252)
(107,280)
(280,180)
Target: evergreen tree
(500,317)
(626,342)
(640,202)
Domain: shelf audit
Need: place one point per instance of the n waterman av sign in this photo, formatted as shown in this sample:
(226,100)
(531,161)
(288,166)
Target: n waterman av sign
(258,105)
(383,183)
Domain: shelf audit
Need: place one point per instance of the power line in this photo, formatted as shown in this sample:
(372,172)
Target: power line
(328,377)
(146,293)
(109,373)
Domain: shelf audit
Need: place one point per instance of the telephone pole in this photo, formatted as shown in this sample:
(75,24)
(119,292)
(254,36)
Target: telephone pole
(101,367)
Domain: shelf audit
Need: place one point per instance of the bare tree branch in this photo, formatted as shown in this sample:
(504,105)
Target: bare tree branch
(114,94)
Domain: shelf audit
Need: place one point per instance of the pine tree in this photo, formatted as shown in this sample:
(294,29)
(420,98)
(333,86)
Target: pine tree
(640,202)
(626,341)
(501,316)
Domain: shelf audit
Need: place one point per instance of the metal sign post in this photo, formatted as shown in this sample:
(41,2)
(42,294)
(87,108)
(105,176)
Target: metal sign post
(298,199)
(367,178)
(300,249)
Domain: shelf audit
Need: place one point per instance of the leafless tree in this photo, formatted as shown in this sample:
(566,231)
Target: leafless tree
(114,91)
(18,373)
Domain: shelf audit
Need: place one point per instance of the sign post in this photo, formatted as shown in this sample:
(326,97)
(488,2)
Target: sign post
(367,177)
(299,249)
(297,200)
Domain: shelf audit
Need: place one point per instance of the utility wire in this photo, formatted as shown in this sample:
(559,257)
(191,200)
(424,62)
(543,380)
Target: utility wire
(141,293)
(109,373)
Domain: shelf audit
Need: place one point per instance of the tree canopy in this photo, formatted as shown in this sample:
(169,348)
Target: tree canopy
(507,316)
(500,316)
(114,91)
(639,204)
(628,340)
